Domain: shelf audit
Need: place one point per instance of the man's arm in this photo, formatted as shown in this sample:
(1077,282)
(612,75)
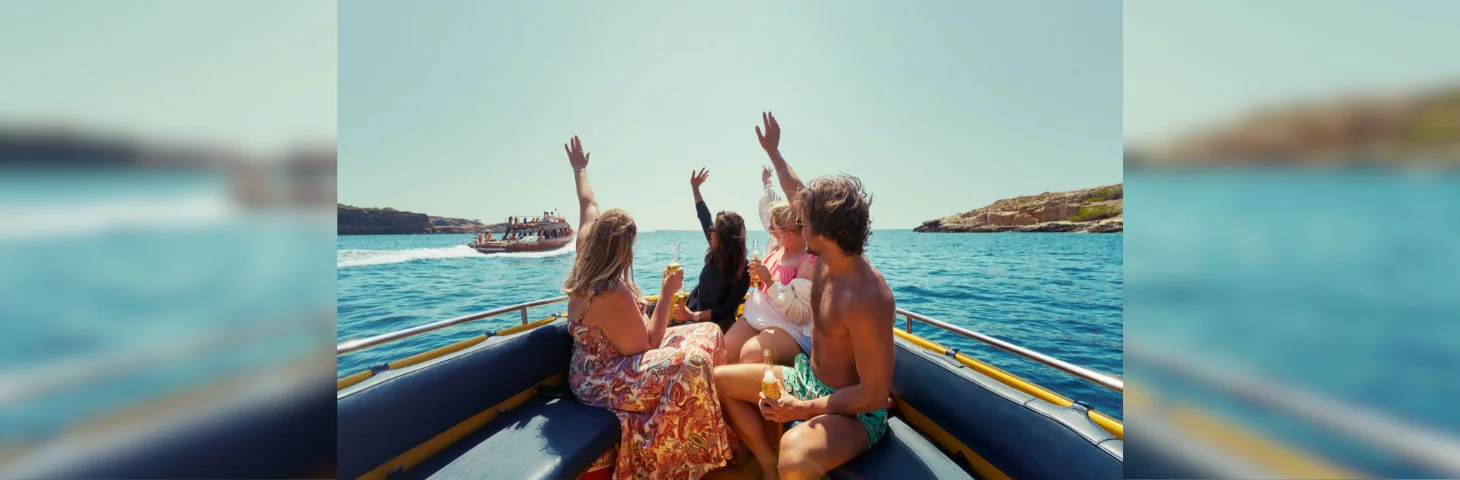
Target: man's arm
(770,141)
(870,323)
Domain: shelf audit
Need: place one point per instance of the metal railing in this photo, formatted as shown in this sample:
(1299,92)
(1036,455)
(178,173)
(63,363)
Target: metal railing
(1092,376)
(1430,448)
(1083,373)
(364,343)
(25,383)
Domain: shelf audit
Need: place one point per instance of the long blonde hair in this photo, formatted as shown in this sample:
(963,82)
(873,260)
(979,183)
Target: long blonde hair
(783,217)
(605,254)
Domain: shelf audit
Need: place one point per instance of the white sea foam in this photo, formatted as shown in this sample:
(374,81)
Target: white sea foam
(21,221)
(357,258)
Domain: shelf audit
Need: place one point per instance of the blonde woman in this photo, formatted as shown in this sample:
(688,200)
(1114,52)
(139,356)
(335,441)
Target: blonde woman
(777,316)
(656,379)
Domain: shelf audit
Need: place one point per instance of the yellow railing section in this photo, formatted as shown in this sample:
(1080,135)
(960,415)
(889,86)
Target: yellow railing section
(1106,422)
(947,441)
(907,412)
(1280,459)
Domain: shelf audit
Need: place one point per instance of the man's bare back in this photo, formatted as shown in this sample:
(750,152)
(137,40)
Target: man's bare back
(858,295)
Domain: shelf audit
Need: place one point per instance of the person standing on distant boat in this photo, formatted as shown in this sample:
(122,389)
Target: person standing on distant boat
(656,379)
(724,279)
(841,391)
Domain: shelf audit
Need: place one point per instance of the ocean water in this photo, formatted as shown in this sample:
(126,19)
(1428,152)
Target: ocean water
(1344,284)
(128,272)
(1060,294)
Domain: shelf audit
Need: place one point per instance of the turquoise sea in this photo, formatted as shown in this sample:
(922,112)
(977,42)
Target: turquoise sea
(1060,294)
(1343,283)
(146,277)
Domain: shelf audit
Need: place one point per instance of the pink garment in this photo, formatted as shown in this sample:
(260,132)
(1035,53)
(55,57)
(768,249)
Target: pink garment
(781,273)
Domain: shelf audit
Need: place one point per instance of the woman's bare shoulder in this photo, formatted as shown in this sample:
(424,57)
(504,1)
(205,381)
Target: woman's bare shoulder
(807,269)
(612,298)
(617,296)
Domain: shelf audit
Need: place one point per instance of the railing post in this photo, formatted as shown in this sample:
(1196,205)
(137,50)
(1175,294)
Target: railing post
(524,316)
(907,323)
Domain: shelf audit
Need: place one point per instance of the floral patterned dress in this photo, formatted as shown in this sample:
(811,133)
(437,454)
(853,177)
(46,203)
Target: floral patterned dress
(670,418)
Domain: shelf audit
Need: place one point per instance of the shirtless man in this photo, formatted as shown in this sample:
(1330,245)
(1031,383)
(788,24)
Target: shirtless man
(841,391)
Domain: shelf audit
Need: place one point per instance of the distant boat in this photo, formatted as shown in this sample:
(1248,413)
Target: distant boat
(529,235)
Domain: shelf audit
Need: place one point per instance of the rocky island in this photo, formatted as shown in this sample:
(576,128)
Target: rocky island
(352,220)
(1092,210)
(1410,129)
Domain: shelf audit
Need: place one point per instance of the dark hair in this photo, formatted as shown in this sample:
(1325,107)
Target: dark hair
(729,257)
(839,209)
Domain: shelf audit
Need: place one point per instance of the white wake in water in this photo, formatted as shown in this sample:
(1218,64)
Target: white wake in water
(22,221)
(357,258)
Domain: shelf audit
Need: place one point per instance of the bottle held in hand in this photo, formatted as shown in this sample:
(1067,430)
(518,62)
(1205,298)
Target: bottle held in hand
(755,257)
(768,384)
(674,261)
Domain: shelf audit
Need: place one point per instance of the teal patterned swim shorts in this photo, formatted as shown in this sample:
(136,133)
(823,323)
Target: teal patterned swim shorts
(802,384)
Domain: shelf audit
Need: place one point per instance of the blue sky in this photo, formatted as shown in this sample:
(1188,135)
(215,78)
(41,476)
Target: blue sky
(460,108)
(1190,64)
(258,76)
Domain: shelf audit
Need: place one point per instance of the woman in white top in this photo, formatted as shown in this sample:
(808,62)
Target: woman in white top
(777,312)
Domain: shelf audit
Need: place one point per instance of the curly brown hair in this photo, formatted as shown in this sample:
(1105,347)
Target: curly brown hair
(839,209)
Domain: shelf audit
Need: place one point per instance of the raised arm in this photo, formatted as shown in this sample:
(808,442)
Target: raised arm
(767,198)
(701,210)
(587,205)
(695,180)
(770,141)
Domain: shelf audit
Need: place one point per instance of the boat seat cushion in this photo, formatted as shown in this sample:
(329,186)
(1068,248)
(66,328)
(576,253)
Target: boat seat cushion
(543,438)
(398,410)
(902,454)
(1013,431)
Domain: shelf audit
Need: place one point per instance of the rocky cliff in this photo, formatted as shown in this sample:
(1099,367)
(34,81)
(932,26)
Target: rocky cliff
(1415,129)
(1095,210)
(389,221)
(462,225)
